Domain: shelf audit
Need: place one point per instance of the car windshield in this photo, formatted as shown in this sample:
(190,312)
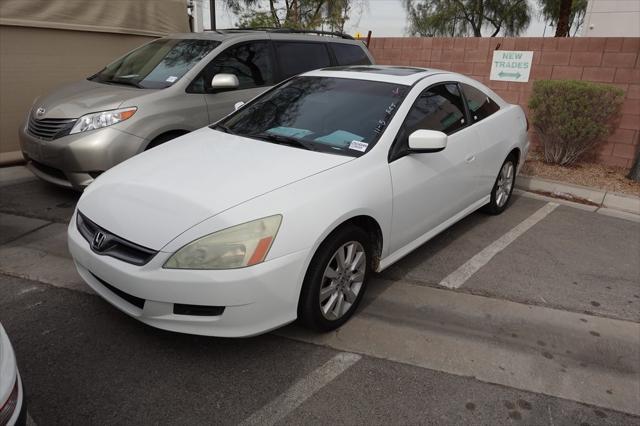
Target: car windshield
(338,115)
(156,65)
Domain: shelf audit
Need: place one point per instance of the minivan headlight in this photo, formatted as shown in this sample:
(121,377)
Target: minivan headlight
(98,120)
(236,247)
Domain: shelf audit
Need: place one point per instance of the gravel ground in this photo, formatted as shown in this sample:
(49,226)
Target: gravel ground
(586,174)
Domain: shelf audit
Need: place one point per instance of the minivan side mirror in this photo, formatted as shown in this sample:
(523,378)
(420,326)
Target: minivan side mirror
(427,141)
(224,82)
(238,105)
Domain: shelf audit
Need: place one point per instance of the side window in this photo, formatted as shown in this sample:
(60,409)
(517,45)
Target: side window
(296,58)
(437,108)
(350,54)
(250,62)
(480,105)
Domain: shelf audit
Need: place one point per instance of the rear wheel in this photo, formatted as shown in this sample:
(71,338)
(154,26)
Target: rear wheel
(502,188)
(336,279)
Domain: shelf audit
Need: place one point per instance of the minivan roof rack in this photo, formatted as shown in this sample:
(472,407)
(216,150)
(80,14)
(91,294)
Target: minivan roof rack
(291,31)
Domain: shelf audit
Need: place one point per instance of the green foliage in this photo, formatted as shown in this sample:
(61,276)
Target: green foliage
(297,14)
(457,18)
(573,117)
(256,19)
(550,12)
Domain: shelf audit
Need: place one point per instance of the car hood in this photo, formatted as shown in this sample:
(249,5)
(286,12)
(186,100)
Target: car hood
(155,196)
(82,97)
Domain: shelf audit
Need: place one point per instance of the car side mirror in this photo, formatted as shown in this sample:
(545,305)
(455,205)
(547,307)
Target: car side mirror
(427,141)
(238,105)
(224,82)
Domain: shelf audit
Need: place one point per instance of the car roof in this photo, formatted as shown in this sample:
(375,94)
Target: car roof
(238,33)
(385,73)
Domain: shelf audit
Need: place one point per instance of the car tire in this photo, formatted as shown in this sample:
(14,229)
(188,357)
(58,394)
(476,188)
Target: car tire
(503,187)
(336,279)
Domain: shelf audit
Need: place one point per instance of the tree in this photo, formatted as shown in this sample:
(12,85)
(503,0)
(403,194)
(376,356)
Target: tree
(457,18)
(562,30)
(550,10)
(296,14)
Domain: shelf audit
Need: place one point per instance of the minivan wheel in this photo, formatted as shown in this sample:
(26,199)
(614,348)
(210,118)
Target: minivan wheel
(165,137)
(502,188)
(336,279)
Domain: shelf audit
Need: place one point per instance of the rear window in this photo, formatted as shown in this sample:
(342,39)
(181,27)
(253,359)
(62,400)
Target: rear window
(480,104)
(349,54)
(296,58)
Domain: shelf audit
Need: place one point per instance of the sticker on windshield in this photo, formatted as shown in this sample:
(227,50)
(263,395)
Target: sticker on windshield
(171,79)
(358,146)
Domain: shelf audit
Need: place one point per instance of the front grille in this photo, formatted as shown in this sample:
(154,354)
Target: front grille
(134,300)
(50,128)
(108,244)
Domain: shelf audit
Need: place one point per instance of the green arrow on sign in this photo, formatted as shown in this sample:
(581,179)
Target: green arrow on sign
(515,75)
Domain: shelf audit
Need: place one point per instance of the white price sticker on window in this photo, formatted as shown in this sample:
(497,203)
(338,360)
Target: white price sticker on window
(358,146)
(171,79)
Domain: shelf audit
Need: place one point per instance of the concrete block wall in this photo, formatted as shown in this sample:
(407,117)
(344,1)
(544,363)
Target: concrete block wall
(608,60)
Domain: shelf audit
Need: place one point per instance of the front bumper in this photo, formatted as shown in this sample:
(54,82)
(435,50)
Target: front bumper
(12,401)
(256,299)
(74,160)
(20,415)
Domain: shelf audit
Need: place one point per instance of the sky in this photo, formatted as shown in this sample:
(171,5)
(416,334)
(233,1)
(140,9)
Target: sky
(385,18)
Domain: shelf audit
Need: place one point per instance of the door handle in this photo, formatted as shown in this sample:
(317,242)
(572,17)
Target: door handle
(470,158)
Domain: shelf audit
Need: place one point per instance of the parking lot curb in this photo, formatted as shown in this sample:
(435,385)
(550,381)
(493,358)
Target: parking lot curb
(12,175)
(581,194)
(622,202)
(11,158)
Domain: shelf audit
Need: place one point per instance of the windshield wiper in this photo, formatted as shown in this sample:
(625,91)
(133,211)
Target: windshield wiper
(281,140)
(125,83)
(223,128)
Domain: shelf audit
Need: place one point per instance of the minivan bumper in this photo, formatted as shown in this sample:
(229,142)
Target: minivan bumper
(73,161)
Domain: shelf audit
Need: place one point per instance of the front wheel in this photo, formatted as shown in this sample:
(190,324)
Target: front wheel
(336,279)
(502,188)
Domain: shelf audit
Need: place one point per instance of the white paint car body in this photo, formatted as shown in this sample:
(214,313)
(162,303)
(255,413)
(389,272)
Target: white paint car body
(12,406)
(209,181)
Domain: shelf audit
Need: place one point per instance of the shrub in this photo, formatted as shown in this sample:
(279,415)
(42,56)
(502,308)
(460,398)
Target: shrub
(573,117)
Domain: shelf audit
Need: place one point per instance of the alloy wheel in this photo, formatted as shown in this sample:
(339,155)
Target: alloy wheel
(505,183)
(342,280)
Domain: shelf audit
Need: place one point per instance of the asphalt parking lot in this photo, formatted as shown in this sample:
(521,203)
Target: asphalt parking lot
(530,317)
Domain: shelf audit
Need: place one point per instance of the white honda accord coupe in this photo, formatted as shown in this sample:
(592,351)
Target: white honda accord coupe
(284,209)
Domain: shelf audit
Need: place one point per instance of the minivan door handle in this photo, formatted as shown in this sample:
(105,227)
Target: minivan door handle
(470,158)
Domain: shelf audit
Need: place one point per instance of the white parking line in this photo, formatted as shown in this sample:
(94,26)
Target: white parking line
(284,404)
(464,272)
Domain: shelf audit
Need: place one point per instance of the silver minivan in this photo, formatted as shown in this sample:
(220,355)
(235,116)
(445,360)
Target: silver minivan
(162,90)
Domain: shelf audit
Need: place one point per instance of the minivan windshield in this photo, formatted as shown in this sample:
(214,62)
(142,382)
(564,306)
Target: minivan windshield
(156,65)
(337,115)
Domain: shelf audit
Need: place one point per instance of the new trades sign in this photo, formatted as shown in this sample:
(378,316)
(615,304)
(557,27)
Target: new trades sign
(510,65)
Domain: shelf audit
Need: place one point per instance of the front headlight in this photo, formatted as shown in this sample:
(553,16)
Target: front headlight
(235,247)
(98,120)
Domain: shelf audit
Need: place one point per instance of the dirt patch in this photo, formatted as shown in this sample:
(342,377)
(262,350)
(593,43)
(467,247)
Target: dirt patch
(587,174)
(567,197)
